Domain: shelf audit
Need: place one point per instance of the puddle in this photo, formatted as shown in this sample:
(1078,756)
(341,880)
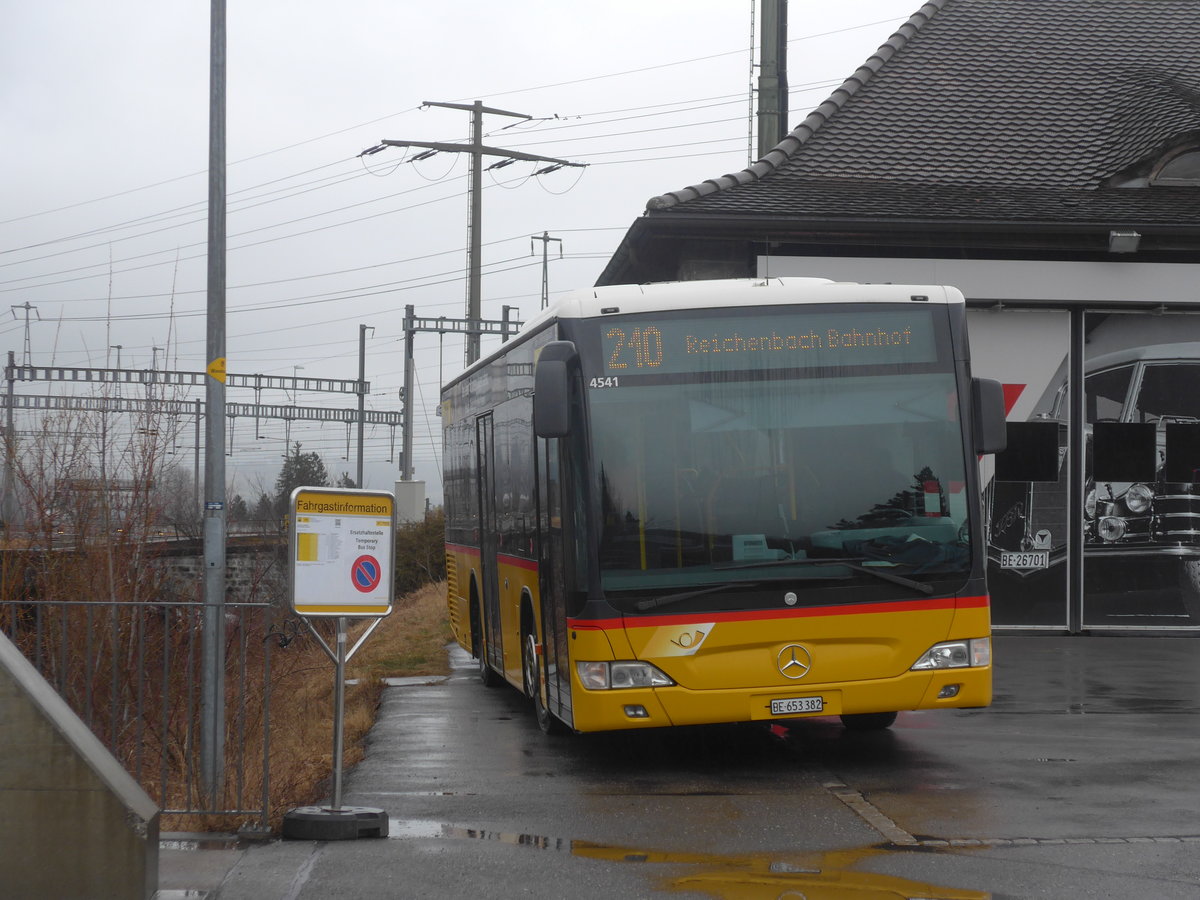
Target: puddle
(829,876)
(189,842)
(426,828)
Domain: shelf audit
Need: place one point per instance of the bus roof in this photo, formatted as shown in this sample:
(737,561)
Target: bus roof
(730,292)
(682,295)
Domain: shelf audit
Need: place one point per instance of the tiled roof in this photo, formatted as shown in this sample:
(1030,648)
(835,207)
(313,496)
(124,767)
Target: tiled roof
(829,199)
(1009,109)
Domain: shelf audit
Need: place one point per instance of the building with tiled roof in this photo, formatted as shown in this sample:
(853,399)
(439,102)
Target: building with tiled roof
(1044,157)
(1026,128)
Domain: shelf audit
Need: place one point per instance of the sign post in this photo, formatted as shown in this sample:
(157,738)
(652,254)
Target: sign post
(341,543)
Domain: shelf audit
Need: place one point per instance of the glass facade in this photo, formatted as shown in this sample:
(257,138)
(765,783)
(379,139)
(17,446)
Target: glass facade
(1135,559)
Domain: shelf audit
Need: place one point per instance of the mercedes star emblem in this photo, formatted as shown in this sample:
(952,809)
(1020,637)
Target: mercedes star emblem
(794,661)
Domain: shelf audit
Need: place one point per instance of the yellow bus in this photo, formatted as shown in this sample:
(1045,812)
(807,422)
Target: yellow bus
(725,501)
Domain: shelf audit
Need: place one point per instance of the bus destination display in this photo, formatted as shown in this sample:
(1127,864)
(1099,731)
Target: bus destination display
(729,343)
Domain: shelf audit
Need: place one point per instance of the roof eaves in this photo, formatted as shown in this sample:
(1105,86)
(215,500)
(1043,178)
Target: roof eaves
(783,151)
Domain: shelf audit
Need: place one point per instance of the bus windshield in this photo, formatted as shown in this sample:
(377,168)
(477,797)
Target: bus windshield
(820,446)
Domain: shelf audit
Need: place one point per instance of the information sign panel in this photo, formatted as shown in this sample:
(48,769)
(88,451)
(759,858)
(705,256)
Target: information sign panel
(342,543)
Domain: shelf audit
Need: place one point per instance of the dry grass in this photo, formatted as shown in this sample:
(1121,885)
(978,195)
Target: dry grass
(411,641)
(86,597)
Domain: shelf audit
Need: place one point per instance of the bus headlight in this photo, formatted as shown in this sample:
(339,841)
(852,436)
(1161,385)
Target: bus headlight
(604,676)
(1138,498)
(956,655)
(1111,529)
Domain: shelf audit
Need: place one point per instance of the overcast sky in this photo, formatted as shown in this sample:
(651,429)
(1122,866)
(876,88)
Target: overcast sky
(103,171)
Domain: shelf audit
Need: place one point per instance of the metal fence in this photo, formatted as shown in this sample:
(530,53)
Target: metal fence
(132,672)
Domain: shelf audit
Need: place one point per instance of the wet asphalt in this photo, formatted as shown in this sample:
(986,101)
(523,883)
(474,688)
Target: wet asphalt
(1082,780)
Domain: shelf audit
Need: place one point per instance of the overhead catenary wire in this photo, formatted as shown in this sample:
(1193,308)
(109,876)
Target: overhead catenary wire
(392,115)
(629,155)
(340,179)
(92,266)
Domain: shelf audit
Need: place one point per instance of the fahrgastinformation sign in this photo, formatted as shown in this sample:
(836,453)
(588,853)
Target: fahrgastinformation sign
(342,544)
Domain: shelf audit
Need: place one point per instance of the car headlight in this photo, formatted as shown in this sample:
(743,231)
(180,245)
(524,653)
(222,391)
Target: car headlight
(1110,529)
(1138,498)
(956,655)
(604,676)
(1089,504)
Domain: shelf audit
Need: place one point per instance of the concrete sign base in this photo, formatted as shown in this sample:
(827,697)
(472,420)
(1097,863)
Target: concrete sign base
(321,823)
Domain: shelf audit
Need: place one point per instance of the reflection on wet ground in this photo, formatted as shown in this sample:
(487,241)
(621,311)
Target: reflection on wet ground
(815,876)
(818,876)
(1072,784)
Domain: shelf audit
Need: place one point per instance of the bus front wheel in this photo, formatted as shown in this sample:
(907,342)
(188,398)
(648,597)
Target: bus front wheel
(868,721)
(533,685)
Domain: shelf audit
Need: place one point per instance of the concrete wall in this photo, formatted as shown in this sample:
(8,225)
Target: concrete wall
(73,823)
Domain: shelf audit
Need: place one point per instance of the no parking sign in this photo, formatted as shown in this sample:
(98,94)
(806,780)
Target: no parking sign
(342,544)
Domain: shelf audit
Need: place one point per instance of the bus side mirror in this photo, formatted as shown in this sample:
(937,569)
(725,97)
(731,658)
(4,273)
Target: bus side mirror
(552,390)
(989,429)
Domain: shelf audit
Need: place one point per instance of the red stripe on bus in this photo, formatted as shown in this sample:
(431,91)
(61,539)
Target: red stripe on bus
(517,561)
(501,558)
(857,609)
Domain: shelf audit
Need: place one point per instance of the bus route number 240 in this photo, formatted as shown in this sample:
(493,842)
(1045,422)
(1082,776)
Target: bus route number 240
(608,381)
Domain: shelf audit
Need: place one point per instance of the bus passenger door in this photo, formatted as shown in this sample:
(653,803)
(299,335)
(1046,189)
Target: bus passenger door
(488,543)
(552,577)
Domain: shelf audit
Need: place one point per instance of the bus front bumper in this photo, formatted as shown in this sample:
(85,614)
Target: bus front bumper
(677,705)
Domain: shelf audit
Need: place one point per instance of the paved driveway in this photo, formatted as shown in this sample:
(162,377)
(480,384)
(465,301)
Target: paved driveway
(1082,780)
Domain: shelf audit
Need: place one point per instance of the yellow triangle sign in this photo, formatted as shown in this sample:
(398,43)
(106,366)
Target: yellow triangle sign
(216,369)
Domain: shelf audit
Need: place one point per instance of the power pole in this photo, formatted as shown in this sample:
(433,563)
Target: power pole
(8,505)
(545,239)
(26,351)
(362,395)
(478,150)
(772,76)
(212,692)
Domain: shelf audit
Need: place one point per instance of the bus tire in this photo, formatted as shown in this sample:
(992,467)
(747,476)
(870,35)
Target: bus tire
(487,675)
(868,721)
(532,676)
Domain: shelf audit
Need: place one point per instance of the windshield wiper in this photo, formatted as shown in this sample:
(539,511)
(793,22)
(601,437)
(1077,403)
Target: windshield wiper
(920,586)
(668,599)
(849,563)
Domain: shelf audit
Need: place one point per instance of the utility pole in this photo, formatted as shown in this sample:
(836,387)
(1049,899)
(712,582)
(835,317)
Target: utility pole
(406,436)
(8,505)
(478,150)
(26,351)
(362,395)
(545,239)
(772,76)
(212,690)
(153,372)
